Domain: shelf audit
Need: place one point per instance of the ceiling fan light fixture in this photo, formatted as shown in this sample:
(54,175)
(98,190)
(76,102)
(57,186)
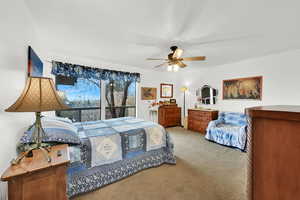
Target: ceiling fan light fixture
(175,68)
(175,61)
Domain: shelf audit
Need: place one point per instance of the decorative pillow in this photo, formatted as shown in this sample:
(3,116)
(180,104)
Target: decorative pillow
(56,131)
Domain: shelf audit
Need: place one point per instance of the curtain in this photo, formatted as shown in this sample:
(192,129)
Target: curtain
(79,71)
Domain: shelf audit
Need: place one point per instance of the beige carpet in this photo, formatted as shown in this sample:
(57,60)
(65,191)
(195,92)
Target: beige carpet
(204,170)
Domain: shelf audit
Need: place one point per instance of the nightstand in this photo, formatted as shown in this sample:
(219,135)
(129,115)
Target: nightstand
(34,178)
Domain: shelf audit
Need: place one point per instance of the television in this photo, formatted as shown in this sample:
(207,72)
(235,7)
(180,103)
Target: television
(207,95)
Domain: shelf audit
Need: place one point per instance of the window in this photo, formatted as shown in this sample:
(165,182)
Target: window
(120,99)
(82,95)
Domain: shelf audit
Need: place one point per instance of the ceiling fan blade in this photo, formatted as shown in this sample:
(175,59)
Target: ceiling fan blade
(178,52)
(181,64)
(193,58)
(161,65)
(156,59)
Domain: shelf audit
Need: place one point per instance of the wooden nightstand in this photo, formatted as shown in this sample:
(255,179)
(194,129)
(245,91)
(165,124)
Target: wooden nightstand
(34,178)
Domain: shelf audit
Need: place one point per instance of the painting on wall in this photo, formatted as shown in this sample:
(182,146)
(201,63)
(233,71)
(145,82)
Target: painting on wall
(166,90)
(35,65)
(243,88)
(148,93)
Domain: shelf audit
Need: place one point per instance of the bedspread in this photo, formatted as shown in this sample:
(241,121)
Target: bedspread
(114,149)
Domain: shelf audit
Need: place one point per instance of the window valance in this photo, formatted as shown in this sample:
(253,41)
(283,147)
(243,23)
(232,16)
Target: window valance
(79,71)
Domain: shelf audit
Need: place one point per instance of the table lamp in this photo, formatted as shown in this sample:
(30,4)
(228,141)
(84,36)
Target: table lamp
(38,95)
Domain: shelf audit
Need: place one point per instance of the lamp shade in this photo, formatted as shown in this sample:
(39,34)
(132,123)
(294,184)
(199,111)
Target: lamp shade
(38,95)
(183,89)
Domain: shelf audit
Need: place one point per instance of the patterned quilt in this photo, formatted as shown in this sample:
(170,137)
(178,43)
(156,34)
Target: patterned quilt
(114,149)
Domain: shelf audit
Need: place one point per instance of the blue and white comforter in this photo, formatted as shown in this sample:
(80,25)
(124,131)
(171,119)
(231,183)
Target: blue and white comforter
(114,149)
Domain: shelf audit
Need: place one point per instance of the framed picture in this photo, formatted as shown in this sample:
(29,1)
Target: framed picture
(243,88)
(148,93)
(166,90)
(35,65)
(173,101)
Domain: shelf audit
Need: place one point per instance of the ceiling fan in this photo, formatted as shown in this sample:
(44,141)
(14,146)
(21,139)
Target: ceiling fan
(174,60)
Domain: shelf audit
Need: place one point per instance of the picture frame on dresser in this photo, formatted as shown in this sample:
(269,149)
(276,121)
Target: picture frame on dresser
(166,90)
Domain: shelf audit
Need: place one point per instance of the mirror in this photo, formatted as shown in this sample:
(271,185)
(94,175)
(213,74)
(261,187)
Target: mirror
(207,95)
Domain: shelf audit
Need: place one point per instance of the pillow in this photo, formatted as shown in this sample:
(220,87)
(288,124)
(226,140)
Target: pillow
(58,124)
(237,119)
(56,132)
(63,119)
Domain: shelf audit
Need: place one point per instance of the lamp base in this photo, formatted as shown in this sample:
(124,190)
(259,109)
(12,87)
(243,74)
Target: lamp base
(37,135)
(45,148)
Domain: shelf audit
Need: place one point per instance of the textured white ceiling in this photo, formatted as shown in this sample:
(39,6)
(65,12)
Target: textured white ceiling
(128,31)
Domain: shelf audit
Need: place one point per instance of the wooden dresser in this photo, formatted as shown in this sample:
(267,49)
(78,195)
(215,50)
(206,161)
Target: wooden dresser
(275,154)
(34,178)
(198,119)
(169,115)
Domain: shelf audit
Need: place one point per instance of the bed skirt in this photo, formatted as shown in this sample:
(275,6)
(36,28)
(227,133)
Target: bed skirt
(97,177)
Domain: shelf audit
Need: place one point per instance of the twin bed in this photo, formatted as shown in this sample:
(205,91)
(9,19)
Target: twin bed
(103,152)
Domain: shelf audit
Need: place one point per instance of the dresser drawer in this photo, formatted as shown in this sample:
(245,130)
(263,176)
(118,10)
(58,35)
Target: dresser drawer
(173,111)
(199,114)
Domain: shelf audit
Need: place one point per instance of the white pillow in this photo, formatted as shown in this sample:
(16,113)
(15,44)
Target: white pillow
(67,120)
(48,123)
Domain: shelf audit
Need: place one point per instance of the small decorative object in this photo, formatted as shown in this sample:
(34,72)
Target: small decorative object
(207,95)
(243,88)
(166,102)
(166,90)
(154,104)
(173,101)
(148,93)
(38,95)
(35,65)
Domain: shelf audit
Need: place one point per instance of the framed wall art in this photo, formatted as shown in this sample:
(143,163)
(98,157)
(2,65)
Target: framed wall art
(148,93)
(35,64)
(243,88)
(166,90)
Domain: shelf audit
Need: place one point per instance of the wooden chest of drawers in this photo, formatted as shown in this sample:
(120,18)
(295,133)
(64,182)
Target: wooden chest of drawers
(169,115)
(198,119)
(275,145)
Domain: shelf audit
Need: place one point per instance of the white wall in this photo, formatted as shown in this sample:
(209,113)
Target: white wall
(281,82)
(16,34)
(149,78)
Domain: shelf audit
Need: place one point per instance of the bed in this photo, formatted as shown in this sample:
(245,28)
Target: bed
(103,152)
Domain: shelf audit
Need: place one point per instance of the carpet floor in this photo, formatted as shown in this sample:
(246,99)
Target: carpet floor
(204,170)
